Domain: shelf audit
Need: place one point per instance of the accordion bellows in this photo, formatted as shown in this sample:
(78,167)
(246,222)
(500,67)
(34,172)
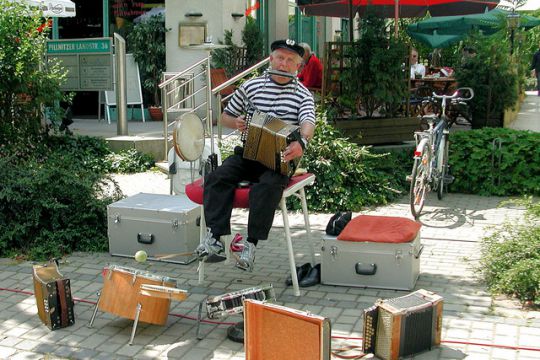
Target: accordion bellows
(265,139)
(53,296)
(403,326)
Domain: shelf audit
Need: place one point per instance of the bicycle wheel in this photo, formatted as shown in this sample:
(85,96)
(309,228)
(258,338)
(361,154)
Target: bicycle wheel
(420,181)
(442,167)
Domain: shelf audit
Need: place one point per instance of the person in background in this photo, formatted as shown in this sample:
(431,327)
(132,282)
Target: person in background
(416,68)
(535,68)
(311,74)
(283,97)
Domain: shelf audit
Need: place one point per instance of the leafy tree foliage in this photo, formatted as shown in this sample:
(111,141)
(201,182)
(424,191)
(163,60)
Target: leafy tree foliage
(376,76)
(147,43)
(27,84)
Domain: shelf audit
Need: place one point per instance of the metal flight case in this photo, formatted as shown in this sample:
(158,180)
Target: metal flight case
(159,224)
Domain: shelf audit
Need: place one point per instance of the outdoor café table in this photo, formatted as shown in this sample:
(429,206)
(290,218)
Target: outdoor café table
(441,85)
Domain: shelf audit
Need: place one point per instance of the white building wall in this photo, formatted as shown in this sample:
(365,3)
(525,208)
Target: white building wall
(215,13)
(278,20)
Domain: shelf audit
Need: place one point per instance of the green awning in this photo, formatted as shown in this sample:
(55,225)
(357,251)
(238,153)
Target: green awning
(444,31)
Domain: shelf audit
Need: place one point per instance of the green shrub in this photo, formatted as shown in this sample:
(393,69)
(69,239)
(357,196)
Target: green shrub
(494,79)
(510,262)
(51,207)
(349,176)
(128,161)
(480,166)
(55,191)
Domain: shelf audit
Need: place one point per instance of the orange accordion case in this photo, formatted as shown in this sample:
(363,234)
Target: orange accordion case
(277,332)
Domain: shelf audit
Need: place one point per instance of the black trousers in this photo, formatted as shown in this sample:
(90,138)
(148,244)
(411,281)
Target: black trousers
(264,196)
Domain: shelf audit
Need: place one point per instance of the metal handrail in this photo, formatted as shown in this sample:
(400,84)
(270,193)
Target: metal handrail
(240,75)
(215,91)
(180,74)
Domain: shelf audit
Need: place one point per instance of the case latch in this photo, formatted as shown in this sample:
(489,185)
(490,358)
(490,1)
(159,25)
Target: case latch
(399,256)
(333,251)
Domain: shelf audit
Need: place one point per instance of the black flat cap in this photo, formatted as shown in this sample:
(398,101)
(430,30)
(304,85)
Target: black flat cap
(288,45)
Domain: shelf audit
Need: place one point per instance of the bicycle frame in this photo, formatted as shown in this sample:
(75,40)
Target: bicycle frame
(431,155)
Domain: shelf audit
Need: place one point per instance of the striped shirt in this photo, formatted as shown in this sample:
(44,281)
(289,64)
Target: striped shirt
(291,102)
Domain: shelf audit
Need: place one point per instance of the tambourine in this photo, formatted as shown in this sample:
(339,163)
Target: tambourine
(233,303)
(188,137)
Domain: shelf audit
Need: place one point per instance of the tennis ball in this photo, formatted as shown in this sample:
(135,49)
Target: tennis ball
(141,256)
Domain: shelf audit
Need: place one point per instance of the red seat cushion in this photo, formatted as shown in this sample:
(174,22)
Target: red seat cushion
(384,229)
(194,192)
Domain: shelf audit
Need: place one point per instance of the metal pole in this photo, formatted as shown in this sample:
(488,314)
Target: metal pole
(351,27)
(512,41)
(165,106)
(121,91)
(396,17)
(209,104)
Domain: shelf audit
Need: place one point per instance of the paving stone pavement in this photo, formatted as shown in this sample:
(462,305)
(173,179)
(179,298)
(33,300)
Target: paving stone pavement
(475,325)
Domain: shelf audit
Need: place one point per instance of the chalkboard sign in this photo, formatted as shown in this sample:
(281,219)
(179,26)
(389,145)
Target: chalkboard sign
(133,84)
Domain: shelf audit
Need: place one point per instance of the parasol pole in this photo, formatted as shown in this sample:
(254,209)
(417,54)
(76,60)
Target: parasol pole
(396,17)
(351,27)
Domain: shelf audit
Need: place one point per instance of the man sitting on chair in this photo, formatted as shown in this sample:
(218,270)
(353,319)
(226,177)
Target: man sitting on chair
(278,96)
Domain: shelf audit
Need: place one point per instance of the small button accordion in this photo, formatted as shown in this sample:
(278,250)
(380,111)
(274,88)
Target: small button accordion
(403,326)
(265,139)
(53,296)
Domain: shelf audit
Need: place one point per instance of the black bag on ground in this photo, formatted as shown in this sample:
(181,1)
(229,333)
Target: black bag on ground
(337,222)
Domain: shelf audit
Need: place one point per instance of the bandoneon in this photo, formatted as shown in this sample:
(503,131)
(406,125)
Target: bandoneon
(265,139)
(403,326)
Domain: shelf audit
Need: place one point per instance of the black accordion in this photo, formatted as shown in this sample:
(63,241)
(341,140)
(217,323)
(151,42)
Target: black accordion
(53,297)
(403,326)
(265,139)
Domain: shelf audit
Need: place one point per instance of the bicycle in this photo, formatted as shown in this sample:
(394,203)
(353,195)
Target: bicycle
(430,169)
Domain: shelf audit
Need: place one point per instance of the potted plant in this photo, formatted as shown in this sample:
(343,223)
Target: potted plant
(146,42)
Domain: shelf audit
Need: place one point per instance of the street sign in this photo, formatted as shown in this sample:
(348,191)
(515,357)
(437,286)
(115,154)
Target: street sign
(79,46)
(88,63)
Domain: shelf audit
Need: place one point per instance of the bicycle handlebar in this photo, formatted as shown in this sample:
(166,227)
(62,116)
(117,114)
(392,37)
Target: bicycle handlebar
(455,94)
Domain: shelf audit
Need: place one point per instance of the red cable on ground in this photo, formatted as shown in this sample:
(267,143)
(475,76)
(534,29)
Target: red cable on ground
(510,347)
(94,303)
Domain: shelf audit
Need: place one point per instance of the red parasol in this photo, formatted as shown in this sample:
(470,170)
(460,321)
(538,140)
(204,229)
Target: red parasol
(395,8)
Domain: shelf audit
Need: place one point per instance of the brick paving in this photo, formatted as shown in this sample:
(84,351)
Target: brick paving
(451,233)
(476,325)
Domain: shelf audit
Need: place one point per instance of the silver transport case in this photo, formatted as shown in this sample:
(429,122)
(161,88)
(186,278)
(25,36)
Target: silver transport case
(370,264)
(158,224)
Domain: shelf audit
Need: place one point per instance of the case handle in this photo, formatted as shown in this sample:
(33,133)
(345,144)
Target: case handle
(417,255)
(145,238)
(365,269)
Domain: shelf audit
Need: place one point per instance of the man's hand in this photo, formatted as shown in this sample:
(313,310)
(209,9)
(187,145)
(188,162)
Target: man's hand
(292,151)
(234,122)
(240,123)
